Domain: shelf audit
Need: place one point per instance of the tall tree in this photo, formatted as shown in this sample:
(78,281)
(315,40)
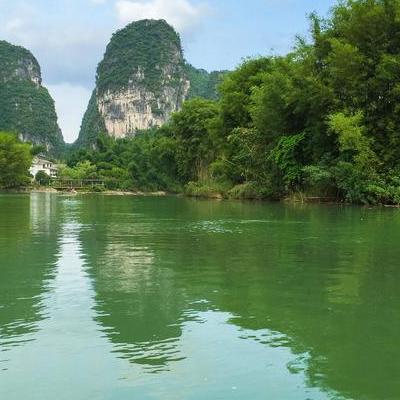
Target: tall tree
(15,161)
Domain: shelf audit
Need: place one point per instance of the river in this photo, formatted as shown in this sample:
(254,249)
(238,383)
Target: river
(119,297)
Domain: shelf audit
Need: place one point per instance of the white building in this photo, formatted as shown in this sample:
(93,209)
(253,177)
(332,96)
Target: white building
(41,164)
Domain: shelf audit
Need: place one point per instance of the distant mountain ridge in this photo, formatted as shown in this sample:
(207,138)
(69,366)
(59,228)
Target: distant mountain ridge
(203,83)
(142,79)
(26,107)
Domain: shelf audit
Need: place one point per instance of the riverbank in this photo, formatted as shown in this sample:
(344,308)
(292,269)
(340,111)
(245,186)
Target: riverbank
(73,191)
(105,192)
(241,193)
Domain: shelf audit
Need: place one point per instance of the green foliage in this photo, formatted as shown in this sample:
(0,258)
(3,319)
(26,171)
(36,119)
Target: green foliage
(146,46)
(14,59)
(29,110)
(152,165)
(250,191)
(286,160)
(236,90)
(38,149)
(207,189)
(42,178)
(82,170)
(349,130)
(15,161)
(202,83)
(145,162)
(143,54)
(323,120)
(92,124)
(245,156)
(26,107)
(319,180)
(196,145)
(356,170)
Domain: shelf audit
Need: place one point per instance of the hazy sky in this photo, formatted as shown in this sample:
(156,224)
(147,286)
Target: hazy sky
(68,37)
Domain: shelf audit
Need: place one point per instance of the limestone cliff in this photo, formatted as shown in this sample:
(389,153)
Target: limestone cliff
(139,83)
(26,107)
(137,107)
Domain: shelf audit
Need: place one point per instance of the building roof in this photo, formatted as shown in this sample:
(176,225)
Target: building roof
(42,161)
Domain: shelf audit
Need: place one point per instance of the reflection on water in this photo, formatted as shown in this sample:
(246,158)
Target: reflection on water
(137,303)
(28,252)
(178,299)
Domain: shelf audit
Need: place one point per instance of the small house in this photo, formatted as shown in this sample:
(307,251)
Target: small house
(41,164)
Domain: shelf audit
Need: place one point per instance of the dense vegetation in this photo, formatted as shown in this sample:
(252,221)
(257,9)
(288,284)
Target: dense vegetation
(323,120)
(203,83)
(147,46)
(14,60)
(92,124)
(26,106)
(148,56)
(29,110)
(15,161)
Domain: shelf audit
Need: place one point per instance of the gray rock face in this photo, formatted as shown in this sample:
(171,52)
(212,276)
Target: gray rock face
(142,79)
(28,70)
(18,64)
(140,82)
(127,110)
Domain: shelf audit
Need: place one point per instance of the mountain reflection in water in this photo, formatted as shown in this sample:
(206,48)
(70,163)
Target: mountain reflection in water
(175,298)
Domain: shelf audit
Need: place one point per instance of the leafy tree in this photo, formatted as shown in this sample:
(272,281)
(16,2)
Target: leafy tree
(15,161)
(42,178)
(195,144)
(204,84)
(286,161)
(37,149)
(356,171)
(323,119)
(236,90)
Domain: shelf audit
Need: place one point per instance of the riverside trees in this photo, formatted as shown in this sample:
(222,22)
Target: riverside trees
(15,160)
(323,120)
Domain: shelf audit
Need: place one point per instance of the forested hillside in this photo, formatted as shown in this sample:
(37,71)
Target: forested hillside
(26,107)
(142,79)
(139,83)
(323,120)
(204,84)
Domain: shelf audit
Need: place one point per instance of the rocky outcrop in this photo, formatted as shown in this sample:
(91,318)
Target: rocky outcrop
(18,64)
(135,107)
(140,82)
(142,79)
(26,107)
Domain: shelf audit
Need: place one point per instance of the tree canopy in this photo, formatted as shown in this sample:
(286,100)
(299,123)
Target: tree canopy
(323,120)
(15,161)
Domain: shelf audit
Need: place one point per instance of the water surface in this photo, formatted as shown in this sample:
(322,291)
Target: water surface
(120,298)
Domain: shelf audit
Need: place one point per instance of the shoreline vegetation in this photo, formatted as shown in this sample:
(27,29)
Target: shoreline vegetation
(320,123)
(296,198)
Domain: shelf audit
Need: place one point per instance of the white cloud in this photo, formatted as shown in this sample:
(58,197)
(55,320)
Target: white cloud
(68,44)
(183,15)
(71,102)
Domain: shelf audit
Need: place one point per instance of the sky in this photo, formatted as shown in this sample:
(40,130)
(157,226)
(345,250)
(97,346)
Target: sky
(68,37)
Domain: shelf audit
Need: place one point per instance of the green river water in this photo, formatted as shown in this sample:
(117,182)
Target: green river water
(121,298)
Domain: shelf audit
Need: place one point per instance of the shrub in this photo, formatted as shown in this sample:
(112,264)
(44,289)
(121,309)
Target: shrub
(42,178)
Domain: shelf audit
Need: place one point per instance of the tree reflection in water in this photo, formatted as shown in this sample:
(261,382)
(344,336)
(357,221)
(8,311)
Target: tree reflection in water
(28,253)
(309,279)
